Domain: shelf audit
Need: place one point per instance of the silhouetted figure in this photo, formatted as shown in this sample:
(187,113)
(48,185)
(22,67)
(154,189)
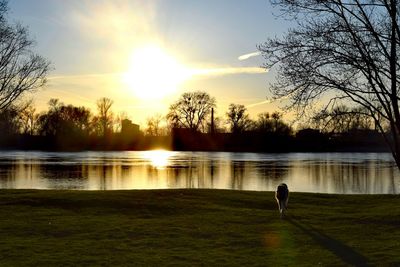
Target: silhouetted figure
(282,197)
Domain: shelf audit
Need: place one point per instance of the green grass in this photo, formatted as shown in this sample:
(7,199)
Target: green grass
(196,227)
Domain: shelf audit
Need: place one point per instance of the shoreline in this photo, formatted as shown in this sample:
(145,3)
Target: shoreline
(189,189)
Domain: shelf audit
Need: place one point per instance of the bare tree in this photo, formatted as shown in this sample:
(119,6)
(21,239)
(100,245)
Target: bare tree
(191,110)
(343,119)
(238,119)
(28,117)
(154,127)
(264,122)
(344,50)
(9,123)
(105,117)
(272,123)
(67,121)
(218,125)
(21,70)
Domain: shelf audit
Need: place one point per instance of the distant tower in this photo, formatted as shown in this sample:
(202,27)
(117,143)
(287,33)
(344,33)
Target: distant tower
(212,120)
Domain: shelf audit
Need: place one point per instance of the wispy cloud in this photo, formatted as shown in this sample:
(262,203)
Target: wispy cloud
(114,28)
(119,22)
(220,71)
(191,72)
(83,76)
(249,55)
(227,71)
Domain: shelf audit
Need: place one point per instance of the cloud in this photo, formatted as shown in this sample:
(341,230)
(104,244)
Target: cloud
(82,88)
(82,76)
(118,21)
(110,30)
(219,71)
(86,87)
(189,72)
(249,55)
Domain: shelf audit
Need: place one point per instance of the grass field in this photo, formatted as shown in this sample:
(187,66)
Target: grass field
(196,227)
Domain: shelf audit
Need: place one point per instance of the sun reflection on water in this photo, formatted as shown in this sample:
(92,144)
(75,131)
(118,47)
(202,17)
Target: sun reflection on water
(159,159)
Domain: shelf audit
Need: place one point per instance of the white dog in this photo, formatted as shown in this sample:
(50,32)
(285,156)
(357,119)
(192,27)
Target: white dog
(282,197)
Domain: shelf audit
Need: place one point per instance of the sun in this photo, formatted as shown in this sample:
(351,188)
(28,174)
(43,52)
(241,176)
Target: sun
(153,73)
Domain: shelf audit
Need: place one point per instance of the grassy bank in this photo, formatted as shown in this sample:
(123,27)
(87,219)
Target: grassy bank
(196,227)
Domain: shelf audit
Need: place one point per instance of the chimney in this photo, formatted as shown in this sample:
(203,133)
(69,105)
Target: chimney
(212,120)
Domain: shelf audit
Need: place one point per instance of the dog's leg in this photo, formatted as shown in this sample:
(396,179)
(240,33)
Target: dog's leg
(278,202)
(283,208)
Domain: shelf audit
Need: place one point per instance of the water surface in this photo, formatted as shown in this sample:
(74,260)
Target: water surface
(348,173)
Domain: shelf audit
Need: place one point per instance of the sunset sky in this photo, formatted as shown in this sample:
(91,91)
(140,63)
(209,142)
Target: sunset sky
(144,54)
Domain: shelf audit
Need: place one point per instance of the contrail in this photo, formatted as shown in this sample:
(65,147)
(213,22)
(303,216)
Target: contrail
(249,55)
(261,103)
(270,100)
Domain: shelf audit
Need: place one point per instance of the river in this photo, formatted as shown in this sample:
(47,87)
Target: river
(344,173)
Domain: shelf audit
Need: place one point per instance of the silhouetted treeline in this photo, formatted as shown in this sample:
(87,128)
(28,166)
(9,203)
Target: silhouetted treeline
(68,127)
(306,140)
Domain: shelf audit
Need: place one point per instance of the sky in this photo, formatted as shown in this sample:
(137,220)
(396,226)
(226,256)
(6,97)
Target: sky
(145,54)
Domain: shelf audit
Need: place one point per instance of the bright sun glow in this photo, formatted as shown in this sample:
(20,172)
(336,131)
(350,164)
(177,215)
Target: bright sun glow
(153,74)
(158,158)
